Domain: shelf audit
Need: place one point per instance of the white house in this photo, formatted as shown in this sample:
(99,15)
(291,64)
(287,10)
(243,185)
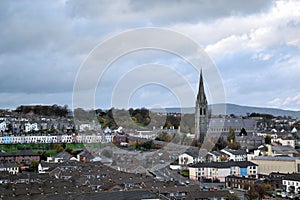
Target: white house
(9,167)
(217,156)
(291,183)
(235,155)
(192,156)
(187,158)
(284,142)
(3,126)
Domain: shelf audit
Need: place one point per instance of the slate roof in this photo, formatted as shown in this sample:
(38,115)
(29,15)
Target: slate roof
(217,153)
(236,152)
(86,155)
(235,123)
(292,177)
(8,165)
(222,165)
(275,158)
(120,195)
(284,150)
(64,155)
(209,194)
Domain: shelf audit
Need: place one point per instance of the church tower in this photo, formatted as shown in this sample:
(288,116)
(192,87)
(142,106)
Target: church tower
(201,112)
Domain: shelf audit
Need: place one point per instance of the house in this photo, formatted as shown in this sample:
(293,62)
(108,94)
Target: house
(217,171)
(284,142)
(190,156)
(60,157)
(10,167)
(216,156)
(239,182)
(235,155)
(23,156)
(85,156)
(291,183)
(187,158)
(26,156)
(275,179)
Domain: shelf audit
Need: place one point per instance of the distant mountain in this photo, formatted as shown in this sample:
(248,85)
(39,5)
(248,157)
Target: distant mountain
(235,109)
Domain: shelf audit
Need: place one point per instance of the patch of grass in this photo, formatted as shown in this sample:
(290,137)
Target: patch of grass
(75,146)
(51,152)
(185,173)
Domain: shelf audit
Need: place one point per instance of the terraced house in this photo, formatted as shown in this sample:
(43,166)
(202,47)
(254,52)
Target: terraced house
(217,171)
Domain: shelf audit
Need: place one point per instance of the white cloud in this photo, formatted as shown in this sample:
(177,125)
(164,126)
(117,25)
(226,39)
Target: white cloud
(262,56)
(278,26)
(288,102)
(275,102)
(292,100)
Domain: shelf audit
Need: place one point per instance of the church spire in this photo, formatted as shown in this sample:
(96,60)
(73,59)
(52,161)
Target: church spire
(201,112)
(201,98)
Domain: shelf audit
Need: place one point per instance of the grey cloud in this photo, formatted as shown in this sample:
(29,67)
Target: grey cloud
(159,12)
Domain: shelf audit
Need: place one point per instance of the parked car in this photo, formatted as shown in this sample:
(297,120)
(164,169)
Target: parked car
(204,187)
(283,194)
(291,196)
(213,188)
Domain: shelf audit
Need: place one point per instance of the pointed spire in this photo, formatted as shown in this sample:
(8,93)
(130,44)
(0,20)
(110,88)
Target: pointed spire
(201,94)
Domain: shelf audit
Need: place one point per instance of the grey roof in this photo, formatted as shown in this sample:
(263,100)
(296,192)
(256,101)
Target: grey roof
(209,194)
(276,158)
(19,153)
(217,153)
(64,155)
(86,154)
(293,177)
(236,152)
(235,123)
(121,195)
(283,149)
(221,165)
(8,164)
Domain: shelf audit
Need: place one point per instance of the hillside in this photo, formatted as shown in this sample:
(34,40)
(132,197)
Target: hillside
(236,110)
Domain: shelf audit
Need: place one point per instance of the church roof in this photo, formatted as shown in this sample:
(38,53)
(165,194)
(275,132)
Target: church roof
(235,123)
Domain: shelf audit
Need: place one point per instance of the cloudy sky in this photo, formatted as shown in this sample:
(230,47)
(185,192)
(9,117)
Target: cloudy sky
(255,46)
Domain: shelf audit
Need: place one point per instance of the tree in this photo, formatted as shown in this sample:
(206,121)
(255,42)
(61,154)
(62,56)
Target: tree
(234,145)
(166,137)
(231,135)
(252,194)
(44,155)
(221,144)
(260,189)
(243,132)
(232,197)
(268,139)
(34,165)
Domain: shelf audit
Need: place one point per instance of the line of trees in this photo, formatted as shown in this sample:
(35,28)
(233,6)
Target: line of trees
(54,110)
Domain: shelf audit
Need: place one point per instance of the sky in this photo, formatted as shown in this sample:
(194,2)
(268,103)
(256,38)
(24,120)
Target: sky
(254,45)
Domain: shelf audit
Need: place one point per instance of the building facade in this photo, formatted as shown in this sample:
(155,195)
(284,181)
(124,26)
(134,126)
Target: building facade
(269,164)
(220,170)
